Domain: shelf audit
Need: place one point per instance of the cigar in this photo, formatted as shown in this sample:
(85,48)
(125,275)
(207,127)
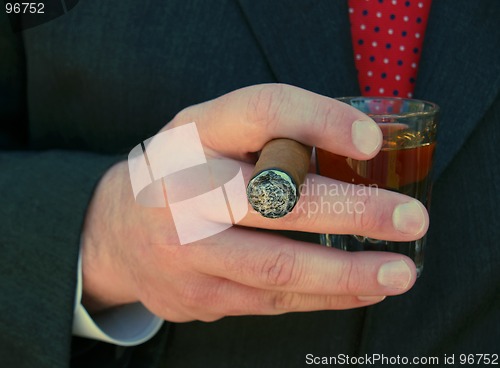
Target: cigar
(274,189)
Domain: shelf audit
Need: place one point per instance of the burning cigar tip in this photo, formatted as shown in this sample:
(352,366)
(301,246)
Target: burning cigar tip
(281,169)
(272,193)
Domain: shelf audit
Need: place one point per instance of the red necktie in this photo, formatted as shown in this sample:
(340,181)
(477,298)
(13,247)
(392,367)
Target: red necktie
(387,38)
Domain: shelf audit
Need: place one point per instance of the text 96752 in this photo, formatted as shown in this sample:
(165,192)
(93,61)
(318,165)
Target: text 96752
(24,8)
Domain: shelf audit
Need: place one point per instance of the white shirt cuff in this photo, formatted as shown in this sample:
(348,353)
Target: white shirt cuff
(127,325)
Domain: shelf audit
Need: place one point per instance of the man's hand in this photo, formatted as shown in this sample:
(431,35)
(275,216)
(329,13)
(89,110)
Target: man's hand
(132,253)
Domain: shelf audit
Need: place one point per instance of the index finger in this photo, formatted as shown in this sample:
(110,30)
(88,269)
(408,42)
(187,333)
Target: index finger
(242,121)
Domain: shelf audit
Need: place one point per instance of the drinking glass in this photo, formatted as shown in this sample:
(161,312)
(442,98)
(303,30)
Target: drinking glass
(403,164)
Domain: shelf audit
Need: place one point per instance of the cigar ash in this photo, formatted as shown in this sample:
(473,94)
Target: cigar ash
(272,193)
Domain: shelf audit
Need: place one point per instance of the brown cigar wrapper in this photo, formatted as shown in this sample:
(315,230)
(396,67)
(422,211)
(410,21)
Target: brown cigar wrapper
(281,169)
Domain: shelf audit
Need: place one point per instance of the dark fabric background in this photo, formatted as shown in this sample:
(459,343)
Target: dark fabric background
(77,93)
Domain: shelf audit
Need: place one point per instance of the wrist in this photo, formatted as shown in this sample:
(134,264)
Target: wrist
(106,282)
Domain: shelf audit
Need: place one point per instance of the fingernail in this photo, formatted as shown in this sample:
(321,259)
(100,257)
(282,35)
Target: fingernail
(395,274)
(409,218)
(371,298)
(366,136)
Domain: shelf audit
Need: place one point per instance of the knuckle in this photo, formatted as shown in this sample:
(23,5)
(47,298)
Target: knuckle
(324,115)
(280,269)
(334,302)
(285,301)
(200,113)
(265,103)
(349,280)
(193,296)
(367,215)
(331,120)
(184,116)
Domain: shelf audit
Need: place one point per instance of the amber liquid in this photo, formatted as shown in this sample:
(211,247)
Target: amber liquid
(404,170)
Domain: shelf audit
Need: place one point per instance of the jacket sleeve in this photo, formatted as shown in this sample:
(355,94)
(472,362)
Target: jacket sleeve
(43,201)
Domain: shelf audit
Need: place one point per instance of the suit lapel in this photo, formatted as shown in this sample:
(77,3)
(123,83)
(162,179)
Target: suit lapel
(308,44)
(460,69)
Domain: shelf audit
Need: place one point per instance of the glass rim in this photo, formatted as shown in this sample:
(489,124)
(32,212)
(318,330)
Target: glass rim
(433,107)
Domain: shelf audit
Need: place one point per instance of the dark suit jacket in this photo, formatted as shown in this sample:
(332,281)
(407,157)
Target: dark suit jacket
(79,92)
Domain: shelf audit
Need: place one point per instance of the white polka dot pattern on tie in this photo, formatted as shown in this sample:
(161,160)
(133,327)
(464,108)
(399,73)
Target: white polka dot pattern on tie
(387,39)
